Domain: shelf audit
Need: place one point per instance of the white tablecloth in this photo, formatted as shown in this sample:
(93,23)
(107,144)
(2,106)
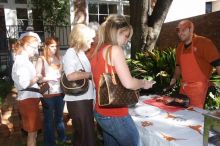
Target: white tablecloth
(160,128)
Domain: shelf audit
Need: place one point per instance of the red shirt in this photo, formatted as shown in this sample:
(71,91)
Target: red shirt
(98,68)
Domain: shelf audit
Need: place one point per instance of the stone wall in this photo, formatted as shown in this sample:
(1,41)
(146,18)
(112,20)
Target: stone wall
(207,25)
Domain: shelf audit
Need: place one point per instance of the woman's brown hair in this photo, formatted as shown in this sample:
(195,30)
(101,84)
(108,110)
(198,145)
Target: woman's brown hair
(49,41)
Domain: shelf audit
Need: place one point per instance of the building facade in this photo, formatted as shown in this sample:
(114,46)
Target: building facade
(16,15)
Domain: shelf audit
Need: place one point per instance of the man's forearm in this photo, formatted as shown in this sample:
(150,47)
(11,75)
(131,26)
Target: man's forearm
(177,73)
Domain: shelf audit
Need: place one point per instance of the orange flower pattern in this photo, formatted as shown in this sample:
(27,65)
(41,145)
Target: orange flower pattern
(196,128)
(146,123)
(169,138)
(170,116)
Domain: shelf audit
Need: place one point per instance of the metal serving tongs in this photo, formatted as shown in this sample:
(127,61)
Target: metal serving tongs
(165,90)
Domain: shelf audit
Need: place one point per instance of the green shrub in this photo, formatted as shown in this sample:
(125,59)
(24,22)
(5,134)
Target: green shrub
(156,65)
(213,98)
(5,88)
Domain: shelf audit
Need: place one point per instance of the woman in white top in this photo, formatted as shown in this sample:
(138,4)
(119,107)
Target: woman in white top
(24,75)
(80,107)
(49,66)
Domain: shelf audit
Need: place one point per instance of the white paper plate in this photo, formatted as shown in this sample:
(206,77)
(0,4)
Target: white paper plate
(147,111)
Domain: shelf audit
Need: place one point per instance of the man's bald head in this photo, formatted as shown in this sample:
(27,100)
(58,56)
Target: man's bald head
(185,24)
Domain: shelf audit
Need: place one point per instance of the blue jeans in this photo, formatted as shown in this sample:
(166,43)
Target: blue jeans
(118,131)
(53,119)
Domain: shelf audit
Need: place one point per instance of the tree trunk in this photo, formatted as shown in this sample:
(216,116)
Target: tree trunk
(155,22)
(135,15)
(147,27)
(80,11)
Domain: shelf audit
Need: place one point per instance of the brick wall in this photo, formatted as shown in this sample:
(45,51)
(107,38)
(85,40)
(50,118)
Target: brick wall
(207,25)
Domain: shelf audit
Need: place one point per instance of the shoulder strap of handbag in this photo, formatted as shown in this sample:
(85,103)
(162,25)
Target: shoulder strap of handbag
(80,62)
(43,72)
(107,55)
(43,67)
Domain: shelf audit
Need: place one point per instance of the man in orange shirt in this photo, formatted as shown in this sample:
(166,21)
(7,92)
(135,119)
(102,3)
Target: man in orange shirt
(195,58)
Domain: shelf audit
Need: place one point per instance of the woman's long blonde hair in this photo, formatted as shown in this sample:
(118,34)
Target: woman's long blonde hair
(108,30)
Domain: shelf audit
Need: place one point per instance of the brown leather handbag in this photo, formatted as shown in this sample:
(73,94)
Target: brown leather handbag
(111,92)
(44,87)
(77,87)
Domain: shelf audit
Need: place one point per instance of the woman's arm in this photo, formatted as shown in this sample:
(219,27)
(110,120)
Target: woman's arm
(79,75)
(118,60)
(24,77)
(39,66)
(70,62)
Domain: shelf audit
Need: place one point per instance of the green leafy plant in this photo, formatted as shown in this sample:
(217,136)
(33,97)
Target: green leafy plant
(157,65)
(5,88)
(53,13)
(5,83)
(213,97)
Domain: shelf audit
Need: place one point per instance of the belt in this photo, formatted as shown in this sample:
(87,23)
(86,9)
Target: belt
(52,95)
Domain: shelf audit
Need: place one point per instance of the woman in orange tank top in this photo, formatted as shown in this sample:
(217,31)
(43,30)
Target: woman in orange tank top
(116,123)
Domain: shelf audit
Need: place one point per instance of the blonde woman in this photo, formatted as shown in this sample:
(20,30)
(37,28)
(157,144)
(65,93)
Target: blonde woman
(49,66)
(24,75)
(80,107)
(116,123)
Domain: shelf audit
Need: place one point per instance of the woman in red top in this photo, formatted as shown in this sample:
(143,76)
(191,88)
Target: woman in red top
(117,125)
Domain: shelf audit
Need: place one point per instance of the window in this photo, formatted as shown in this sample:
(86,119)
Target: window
(37,20)
(99,11)
(112,9)
(21,1)
(22,18)
(208,8)
(126,12)
(22,13)
(3,1)
(93,8)
(38,23)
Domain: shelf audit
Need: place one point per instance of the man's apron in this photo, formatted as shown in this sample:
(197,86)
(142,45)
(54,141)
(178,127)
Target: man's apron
(194,83)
